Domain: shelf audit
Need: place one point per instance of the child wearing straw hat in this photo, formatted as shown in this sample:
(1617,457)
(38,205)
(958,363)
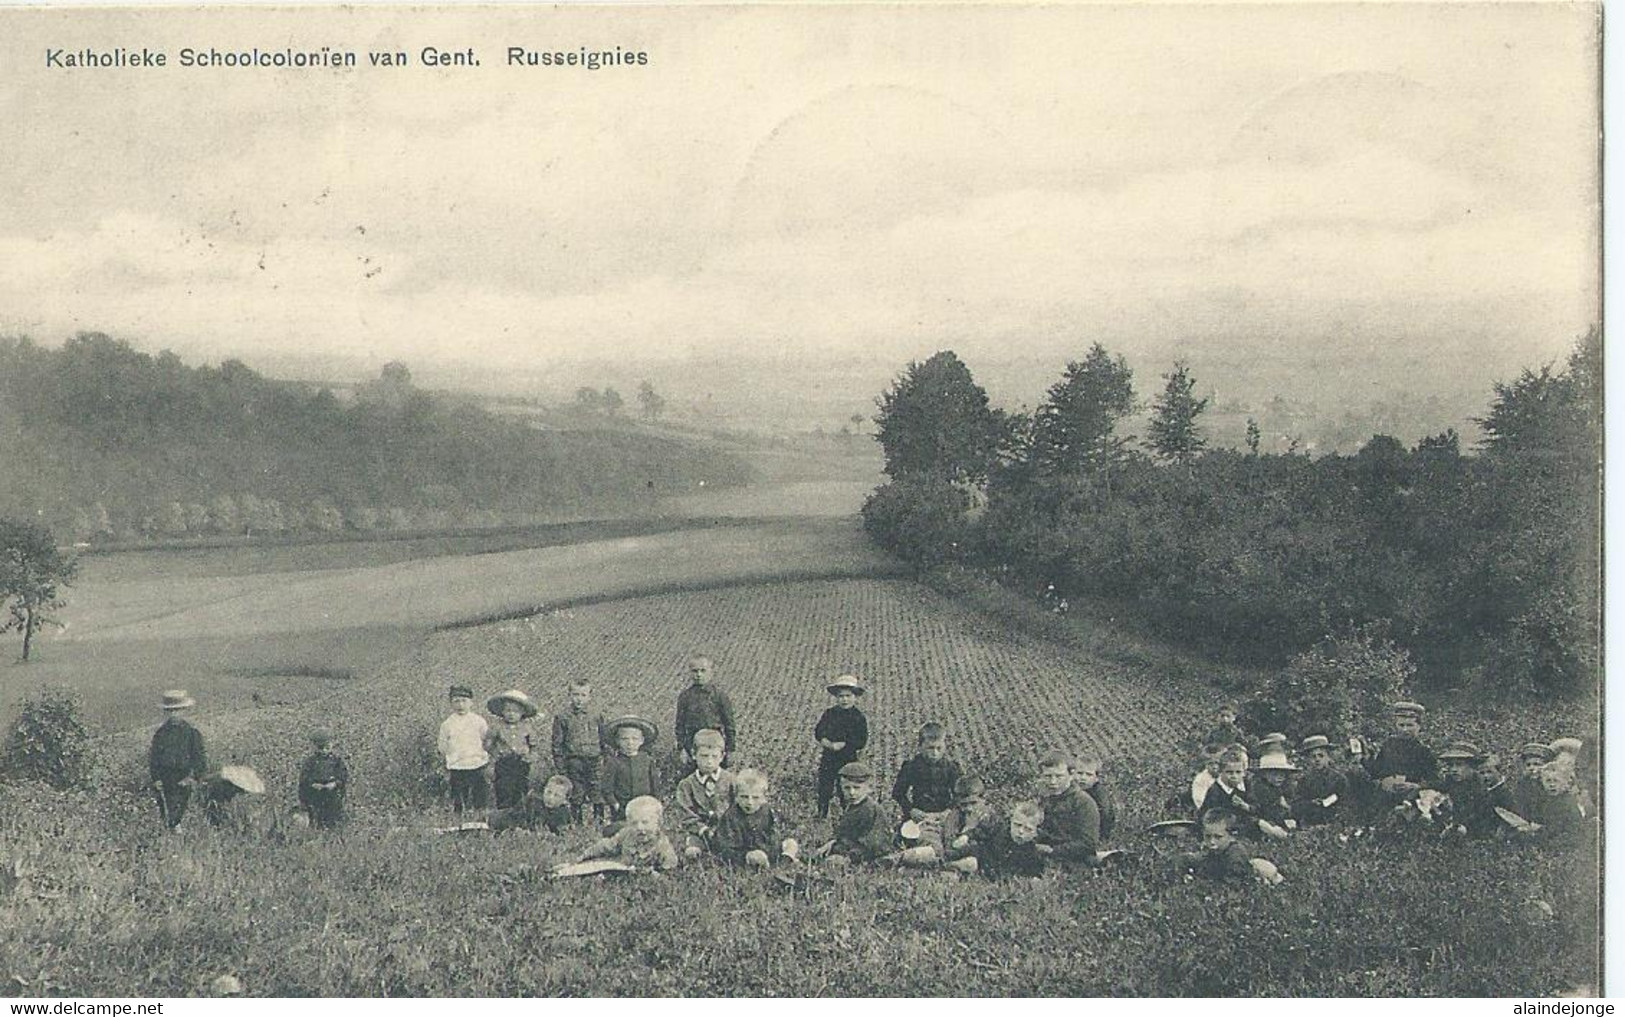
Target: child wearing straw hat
(842,733)
(629,772)
(511,740)
(176,761)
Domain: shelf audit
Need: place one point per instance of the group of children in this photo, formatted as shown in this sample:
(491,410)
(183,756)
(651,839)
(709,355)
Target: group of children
(1246,789)
(1460,791)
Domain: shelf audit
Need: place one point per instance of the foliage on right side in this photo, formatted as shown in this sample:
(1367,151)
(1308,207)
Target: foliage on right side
(1483,564)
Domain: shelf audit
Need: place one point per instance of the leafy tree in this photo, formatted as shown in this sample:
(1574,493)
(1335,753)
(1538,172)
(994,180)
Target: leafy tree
(935,422)
(32,574)
(652,402)
(1174,434)
(1074,431)
(612,402)
(588,399)
(1254,437)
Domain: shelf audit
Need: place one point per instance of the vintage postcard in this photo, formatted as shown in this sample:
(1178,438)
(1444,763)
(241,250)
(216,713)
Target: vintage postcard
(801,500)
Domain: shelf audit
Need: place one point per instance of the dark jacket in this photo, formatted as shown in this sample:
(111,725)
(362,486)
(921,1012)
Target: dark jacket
(927,785)
(838,725)
(998,855)
(1106,802)
(627,777)
(863,834)
(1314,787)
(737,835)
(1071,826)
(177,752)
(1404,756)
(701,707)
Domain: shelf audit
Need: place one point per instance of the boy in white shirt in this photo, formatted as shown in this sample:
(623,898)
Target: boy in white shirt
(462,746)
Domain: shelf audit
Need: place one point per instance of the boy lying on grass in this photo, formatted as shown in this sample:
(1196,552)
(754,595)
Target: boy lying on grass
(748,832)
(547,809)
(639,842)
(1223,858)
(1000,850)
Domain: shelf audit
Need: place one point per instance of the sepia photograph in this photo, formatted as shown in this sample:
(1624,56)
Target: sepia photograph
(801,500)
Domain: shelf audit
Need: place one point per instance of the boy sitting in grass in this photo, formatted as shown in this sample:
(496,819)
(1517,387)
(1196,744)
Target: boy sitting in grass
(862,834)
(1322,792)
(323,780)
(748,831)
(1070,833)
(1006,849)
(1229,794)
(1528,793)
(1223,858)
(1086,775)
(629,772)
(638,842)
(1403,766)
(972,811)
(925,786)
(704,795)
(1225,730)
(547,809)
(1207,773)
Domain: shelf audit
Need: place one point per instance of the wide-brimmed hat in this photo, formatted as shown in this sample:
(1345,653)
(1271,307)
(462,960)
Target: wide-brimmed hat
(244,778)
(1315,742)
(1406,708)
(1275,762)
(514,696)
(1172,828)
(177,699)
(1537,750)
(845,683)
(1462,750)
(910,830)
(650,731)
(1273,738)
(856,771)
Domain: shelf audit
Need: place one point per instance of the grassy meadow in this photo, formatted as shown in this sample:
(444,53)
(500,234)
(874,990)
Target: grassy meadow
(97,901)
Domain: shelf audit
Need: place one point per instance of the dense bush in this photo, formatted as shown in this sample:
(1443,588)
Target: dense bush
(49,741)
(1338,687)
(1483,563)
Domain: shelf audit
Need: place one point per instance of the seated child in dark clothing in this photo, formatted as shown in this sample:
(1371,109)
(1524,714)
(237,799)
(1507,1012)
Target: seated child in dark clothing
(925,786)
(1224,731)
(1003,850)
(323,780)
(1070,832)
(1229,794)
(748,832)
(1322,792)
(971,812)
(863,833)
(547,809)
(629,772)
(1223,858)
(1086,775)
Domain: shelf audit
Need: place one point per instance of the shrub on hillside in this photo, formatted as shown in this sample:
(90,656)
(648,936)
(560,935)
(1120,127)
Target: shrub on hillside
(922,520)
(1338,686)
(48,741)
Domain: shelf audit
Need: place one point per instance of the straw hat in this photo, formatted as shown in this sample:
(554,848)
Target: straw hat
(1406,708)
(514,696)
(244,778)
(650,731)
(177,699)
(1315,742)
(845,683)
(1276,762)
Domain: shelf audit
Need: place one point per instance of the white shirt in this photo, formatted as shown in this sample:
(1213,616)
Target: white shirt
(462,741)
(1199,785)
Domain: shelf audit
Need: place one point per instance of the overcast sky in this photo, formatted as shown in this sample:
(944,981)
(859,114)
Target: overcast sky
(786,180)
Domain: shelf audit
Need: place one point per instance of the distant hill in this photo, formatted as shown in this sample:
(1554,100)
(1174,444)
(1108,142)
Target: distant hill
(103,441)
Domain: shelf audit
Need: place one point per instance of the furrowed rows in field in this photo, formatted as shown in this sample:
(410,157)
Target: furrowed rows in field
(1004,699)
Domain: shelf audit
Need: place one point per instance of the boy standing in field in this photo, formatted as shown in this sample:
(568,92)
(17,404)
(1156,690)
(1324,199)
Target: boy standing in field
(842,732)
(702,706)
(748,832)
(1070,832)
(511,740)
(704,795)
(578,750)
(462,746)
(176,761)
(925,786)
(323,780)
(629,772)
(1087,777)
